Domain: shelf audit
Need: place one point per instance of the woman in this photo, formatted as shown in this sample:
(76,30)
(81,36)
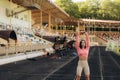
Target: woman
(82,51)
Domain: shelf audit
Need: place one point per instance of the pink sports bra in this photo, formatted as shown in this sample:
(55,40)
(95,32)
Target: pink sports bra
(83,52)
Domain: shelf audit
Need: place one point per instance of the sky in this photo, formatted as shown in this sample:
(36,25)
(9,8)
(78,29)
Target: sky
(74,0)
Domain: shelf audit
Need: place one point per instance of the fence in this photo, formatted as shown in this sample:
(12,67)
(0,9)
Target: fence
(16,48)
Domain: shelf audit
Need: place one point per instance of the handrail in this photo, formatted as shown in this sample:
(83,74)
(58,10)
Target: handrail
(24,47)
(102,38)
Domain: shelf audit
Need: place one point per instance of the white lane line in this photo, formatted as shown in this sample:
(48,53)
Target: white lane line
(115,61)
(100,61)
(57,69)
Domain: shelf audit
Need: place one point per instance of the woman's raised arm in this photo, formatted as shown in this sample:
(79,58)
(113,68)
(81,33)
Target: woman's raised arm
(87,40)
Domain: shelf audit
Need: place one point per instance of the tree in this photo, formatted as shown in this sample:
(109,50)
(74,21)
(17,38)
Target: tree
(70,7)
(111,9)
(97,9)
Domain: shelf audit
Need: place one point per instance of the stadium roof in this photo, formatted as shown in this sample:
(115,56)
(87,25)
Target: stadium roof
(103,21)
(74,21)
(47,6)
(111,23)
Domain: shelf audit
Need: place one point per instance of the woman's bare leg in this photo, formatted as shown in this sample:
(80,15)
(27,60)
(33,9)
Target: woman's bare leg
(87,77)
(77,78)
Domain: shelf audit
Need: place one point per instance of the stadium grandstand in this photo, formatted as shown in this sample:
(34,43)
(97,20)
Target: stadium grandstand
(34,28)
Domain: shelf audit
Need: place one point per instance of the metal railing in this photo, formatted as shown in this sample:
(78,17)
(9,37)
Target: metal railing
(15,48)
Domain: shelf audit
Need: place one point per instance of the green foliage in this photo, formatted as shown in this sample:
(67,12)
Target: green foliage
(97,9)
(70,7)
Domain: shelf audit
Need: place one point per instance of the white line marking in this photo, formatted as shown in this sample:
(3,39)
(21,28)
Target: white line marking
(57,69)
(115,61)
(100,60)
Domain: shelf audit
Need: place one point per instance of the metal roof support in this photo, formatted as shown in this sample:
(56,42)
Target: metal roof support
(49,22)
(30,19)
(18,12)
(11,16)
(40,19)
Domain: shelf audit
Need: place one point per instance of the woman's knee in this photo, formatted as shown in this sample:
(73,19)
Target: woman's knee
(77,77)
(87,77)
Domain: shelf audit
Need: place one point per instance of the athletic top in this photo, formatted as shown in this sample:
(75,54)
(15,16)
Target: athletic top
(83,52)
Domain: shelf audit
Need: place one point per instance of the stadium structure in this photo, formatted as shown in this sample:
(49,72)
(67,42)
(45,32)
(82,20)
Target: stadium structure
(30,27)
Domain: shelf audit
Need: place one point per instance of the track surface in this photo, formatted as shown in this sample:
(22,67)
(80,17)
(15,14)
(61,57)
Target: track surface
(104,65)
